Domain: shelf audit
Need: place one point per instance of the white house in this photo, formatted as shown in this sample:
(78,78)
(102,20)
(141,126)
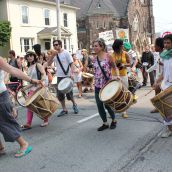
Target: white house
(35,21)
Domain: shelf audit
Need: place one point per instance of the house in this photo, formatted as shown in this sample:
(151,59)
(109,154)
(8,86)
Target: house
(35,22)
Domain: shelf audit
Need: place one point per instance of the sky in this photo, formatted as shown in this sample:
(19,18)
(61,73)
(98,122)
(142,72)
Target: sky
(162,10)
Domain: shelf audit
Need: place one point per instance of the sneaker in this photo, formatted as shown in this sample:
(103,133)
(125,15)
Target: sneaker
(62,113)
(166,134)
(154,111)
(124,115)
(113,125)
(103,127)
(75,109)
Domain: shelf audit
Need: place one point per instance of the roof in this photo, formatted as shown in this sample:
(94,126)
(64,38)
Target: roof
(53,31)
(89,7)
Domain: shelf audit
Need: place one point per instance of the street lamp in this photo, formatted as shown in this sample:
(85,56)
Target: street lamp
(58,19)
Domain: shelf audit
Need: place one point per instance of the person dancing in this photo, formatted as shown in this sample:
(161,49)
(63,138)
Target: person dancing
(8,125)
(102,60)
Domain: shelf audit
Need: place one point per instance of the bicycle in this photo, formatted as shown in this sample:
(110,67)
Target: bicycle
(13,88)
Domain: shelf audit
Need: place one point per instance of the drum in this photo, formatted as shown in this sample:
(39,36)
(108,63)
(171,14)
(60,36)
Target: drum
(42,102)
(133,84)
(116,95)
(65,85)
(87,78)
(87,75)
(163,103)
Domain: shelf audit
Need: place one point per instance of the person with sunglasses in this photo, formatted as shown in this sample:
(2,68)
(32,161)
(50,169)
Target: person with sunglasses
(64,64)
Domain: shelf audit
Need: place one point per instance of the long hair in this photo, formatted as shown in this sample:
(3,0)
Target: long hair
(37,49)
(118,43)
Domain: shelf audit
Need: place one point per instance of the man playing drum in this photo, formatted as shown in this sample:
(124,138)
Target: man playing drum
(64,62)
(166,78)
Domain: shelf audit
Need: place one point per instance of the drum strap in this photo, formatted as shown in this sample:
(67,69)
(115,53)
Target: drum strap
(65,72)
(103,72)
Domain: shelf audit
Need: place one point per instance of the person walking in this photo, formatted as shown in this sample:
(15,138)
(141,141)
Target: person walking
(102,73)
(77,72)
(64,69)
(9,127)
(122,60)
(147,61)
(165,79)
(35,71)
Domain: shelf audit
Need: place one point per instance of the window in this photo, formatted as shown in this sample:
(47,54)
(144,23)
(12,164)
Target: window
(47,44)
(97,25)
(25,14)
(104,25)
(47,16)
(65,20)
(65,46)
(25,44)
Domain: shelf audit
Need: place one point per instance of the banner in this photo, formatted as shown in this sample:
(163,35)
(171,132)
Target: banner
(122,34)
(107,36)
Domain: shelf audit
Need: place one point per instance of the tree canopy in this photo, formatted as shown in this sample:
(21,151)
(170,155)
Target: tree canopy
(5,32)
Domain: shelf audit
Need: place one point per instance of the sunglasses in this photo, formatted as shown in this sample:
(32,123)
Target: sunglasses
(55,44)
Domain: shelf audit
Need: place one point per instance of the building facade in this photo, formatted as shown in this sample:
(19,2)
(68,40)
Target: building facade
(35,22)
(97,16)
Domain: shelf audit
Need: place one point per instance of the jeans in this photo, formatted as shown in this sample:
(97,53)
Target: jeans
(101,107)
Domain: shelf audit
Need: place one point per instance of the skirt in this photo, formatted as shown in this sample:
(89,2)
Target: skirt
(9,127)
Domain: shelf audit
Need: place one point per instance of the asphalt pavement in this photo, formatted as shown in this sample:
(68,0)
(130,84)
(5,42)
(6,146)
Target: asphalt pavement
(72,143)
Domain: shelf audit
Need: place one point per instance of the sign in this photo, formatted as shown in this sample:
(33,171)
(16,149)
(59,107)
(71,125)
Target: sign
(122,34)
(107,36)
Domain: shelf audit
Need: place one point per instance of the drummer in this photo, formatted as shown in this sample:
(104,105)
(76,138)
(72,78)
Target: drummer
(64,62)
(101,78)
(122,60)
(35,71)
(8,125)
(166,77)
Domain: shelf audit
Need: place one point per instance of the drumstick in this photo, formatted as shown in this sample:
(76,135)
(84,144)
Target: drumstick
(149,92)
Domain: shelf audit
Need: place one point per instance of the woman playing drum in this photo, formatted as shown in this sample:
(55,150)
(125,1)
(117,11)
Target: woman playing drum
(122,60)
(102,58)
(35,71)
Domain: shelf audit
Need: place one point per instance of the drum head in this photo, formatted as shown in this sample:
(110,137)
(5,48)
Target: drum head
(87,75)
(110,90)
(65,83)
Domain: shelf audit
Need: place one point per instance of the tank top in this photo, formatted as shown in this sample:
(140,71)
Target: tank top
(121,58)
(2,84)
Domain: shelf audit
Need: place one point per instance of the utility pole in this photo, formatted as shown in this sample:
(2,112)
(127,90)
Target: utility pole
(58,19)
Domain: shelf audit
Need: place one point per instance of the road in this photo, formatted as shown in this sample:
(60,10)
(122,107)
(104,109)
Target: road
(72,143)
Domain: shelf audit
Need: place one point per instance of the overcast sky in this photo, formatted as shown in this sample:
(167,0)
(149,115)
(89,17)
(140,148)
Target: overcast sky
(162,10)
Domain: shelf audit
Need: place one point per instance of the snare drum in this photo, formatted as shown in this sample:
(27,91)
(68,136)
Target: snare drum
(42,102)
(116,95)
(65,85)
(133,84)
(163,103)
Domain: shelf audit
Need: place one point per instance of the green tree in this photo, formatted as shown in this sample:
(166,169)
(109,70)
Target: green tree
(5,32)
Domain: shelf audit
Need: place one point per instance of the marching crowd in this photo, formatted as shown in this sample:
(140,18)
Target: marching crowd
(92,72)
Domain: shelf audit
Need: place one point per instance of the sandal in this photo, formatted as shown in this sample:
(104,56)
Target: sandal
(24,152)
(44,124)
(26,127)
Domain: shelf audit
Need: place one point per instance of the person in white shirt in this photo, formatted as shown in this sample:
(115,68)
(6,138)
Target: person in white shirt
(64,70)
(165,79)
